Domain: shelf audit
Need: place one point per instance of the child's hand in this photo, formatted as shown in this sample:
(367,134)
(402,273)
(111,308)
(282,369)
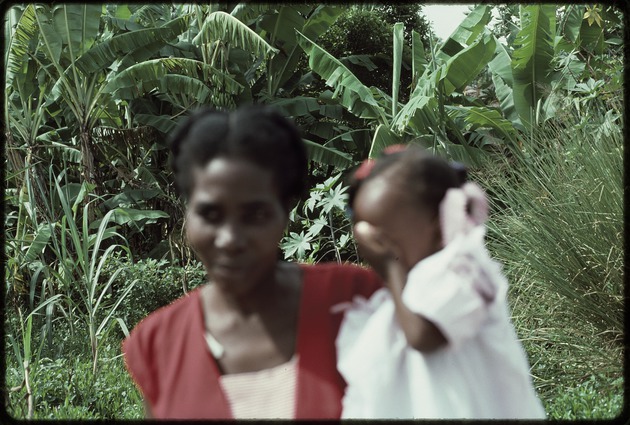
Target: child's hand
(376,248)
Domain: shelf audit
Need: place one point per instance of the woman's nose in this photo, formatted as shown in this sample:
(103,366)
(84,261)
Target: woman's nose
(229,237)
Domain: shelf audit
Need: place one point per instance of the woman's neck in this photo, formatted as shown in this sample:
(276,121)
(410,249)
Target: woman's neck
(270,290)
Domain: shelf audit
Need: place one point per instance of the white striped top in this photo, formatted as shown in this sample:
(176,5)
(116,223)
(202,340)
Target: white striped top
(263,394)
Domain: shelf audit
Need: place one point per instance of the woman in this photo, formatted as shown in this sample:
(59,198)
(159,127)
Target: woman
(257,341)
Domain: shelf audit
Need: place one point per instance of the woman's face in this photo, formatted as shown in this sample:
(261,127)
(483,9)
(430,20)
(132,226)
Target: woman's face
(235,220)
(412,230)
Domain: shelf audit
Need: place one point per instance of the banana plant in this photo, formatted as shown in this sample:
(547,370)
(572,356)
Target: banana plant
(424,117)
(214,71)
(75,59)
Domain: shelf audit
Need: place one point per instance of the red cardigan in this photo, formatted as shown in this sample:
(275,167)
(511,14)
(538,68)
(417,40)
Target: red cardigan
(167,355)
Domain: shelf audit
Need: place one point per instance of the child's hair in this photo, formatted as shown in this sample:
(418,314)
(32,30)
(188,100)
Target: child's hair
(425,177)
(256,133)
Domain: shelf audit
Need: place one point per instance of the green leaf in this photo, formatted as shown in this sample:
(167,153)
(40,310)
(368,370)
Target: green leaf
(481,117)
(327,155)
(419,114)
(39,243)
(222,26)
(352,94)
(25,33)
(125,215)
(383,137)
(298,106)
(77,25)
(462,68)
(501,68)
(531,60)
(320,20)
(163,123)
(334,198)
(147,76)
(419,61)
(296,244)
(131,197)
(592,36)
(397,63)
(473,25)
(103,54)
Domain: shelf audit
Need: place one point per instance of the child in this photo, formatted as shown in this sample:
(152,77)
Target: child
(437,342)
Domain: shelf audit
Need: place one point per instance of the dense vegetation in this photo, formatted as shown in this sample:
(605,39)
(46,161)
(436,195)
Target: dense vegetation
(93,229)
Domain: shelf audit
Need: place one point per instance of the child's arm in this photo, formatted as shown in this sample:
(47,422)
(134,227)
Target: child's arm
(420,333)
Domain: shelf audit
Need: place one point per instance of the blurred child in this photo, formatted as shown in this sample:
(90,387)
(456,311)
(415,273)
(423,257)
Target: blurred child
(437,342)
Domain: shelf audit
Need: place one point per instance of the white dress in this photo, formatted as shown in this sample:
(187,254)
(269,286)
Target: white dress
(483,370)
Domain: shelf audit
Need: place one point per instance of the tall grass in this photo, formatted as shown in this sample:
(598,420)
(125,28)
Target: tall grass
(557,226)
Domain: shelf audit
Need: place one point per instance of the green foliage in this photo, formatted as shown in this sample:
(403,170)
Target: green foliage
(557,228)
(320,230)
(595,398)
(66,389)
(158,283)
(565,218)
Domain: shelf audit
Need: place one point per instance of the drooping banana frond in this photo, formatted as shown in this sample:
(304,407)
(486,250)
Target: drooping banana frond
(531,61)
(78,25)
(25,32)
(327,155)
(103,54)
(222,26)
(146,76)
(462,68)
(482,117)
(352,94)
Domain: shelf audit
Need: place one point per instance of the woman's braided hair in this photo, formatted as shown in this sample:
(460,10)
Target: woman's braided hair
(255,133)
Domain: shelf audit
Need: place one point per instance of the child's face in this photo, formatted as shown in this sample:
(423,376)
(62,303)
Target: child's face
(412,230)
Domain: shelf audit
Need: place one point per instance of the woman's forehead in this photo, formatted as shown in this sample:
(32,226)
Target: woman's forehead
(236,177)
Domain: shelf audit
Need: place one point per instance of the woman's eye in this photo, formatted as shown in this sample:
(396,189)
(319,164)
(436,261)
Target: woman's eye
(258,215)
(210,215)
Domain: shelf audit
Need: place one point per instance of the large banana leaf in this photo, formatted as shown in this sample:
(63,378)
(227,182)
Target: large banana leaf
(146,76)
(419,115)
(482,117)
(467,32)
(25,32)
(569,26)
(352,94)
(418,60)
(296,106)
(462,68)
(249,12)
(501,69)
(592,37)
(78,25)
(320,20)
(222,26)
(398,49)
(473,25)
(280,28)
(531,60)
(103,54)
(383,137)
(327,155)
(283,65)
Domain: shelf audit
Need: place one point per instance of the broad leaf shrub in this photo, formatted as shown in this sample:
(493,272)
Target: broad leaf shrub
(557,228)
(158,283)
(320,228)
